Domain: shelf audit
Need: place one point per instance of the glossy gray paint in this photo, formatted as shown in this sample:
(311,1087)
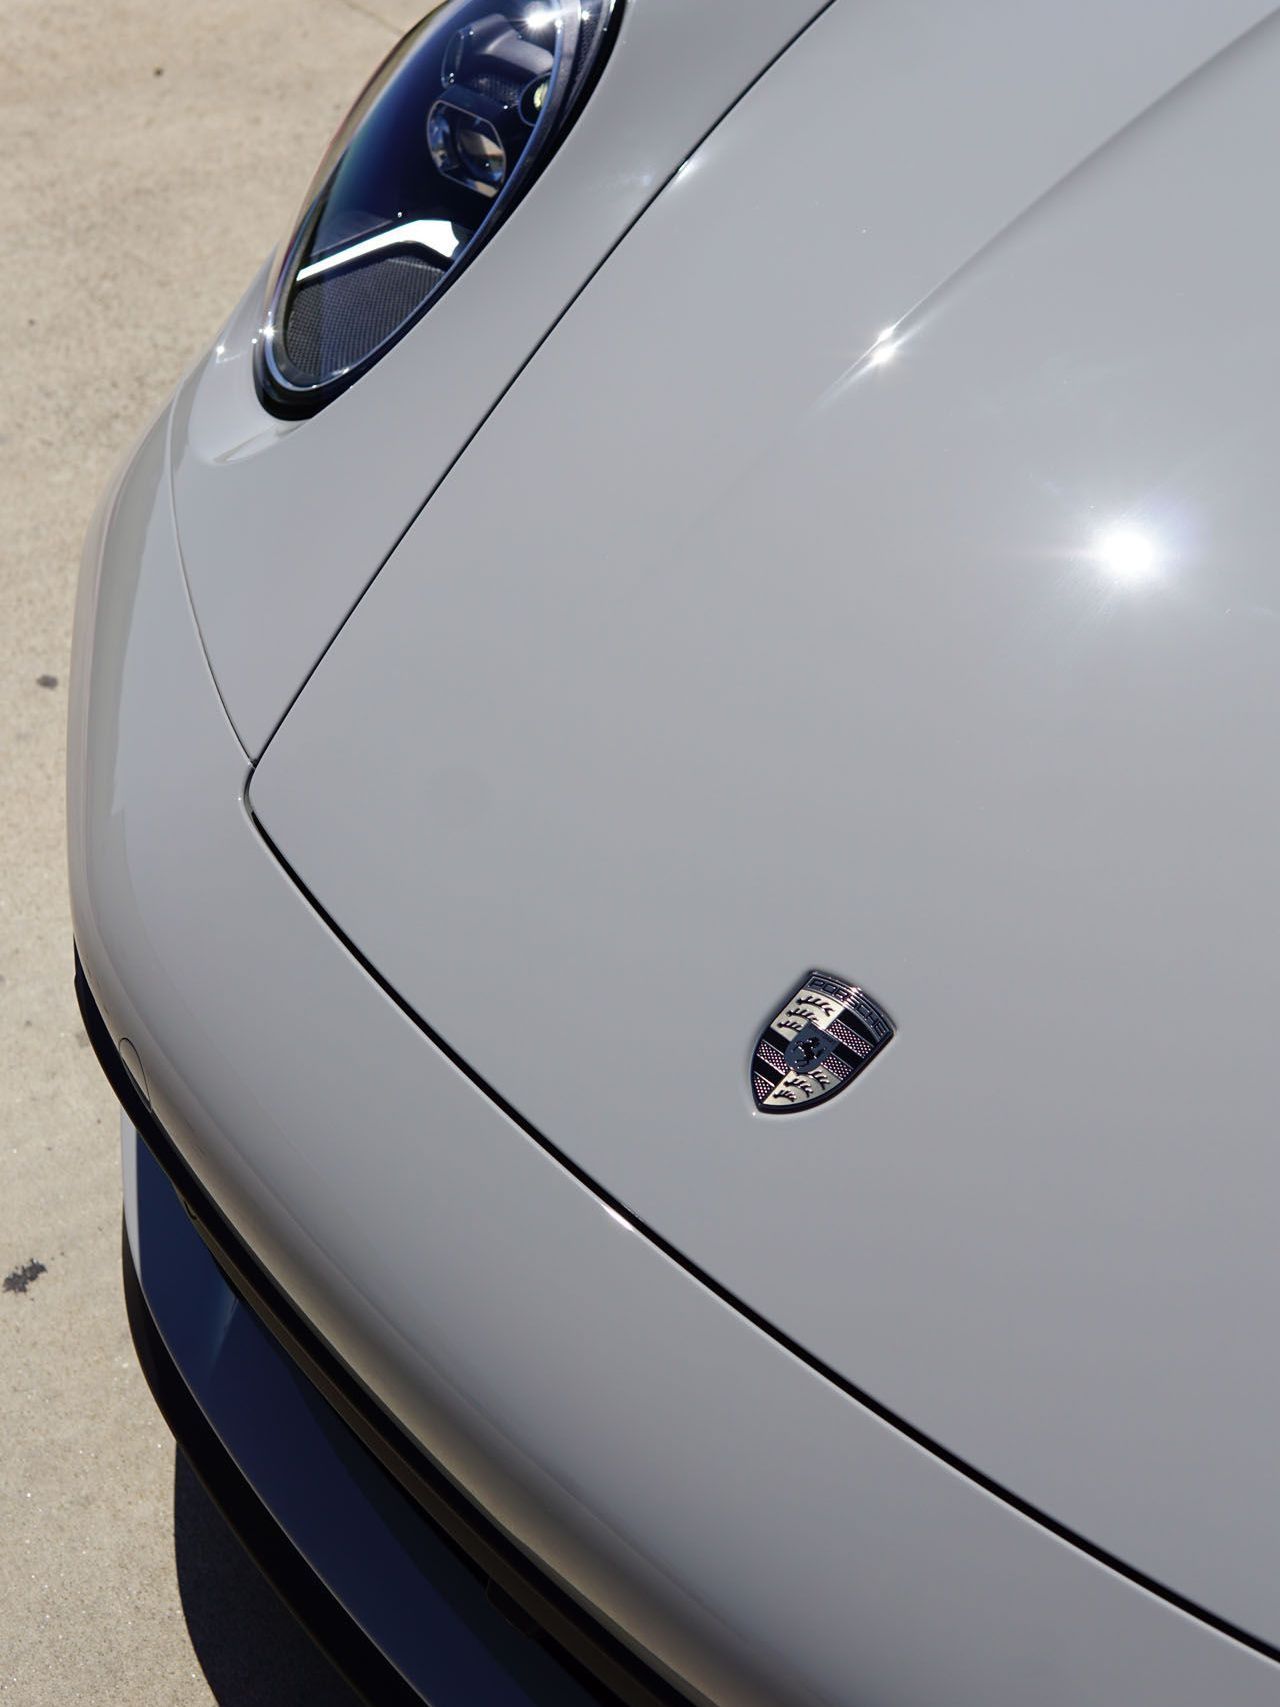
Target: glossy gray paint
(283,524)
(760,1532)
(813,663)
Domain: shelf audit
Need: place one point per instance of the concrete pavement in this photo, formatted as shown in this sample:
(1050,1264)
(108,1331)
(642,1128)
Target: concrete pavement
(150,156)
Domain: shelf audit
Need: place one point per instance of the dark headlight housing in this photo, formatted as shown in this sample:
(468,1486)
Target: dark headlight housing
(446,137)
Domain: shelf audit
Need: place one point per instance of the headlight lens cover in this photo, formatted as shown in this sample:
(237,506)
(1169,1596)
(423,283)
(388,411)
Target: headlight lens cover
(452,128)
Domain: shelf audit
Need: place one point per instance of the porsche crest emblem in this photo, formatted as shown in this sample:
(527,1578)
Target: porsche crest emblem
(817,1044)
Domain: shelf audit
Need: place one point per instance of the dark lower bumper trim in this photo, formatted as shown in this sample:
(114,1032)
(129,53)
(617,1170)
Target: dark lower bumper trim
(323,1617)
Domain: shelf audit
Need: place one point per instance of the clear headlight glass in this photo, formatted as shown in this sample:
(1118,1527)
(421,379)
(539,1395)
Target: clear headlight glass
(447,135)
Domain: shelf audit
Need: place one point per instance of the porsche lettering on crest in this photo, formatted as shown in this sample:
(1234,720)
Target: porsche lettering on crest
(816,1045)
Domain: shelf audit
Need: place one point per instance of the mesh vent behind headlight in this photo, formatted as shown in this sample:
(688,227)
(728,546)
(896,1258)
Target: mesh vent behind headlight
(333,320)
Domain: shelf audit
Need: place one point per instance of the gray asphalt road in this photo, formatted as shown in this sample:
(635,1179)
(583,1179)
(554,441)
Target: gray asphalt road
(150,155)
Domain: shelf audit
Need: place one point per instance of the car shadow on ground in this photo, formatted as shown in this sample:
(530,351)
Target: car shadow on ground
(252,1650)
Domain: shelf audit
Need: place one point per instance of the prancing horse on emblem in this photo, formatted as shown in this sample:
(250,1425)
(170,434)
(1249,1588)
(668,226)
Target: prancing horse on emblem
(817,1044)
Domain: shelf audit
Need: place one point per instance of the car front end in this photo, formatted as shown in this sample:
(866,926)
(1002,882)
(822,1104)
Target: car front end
(478,724)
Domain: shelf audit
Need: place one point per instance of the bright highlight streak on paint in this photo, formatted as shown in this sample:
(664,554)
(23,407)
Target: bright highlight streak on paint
(1126,554)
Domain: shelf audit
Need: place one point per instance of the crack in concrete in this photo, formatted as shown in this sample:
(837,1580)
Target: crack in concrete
(368,12)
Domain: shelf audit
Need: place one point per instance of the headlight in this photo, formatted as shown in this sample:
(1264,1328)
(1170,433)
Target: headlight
(436,151)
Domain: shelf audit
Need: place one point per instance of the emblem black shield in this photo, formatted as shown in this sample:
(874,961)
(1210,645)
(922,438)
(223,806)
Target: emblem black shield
(816,1045)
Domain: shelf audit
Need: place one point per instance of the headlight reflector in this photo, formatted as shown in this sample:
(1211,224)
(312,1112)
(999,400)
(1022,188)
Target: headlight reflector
(435,152)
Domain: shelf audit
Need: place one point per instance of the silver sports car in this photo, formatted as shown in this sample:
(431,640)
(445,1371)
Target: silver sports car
(674,833)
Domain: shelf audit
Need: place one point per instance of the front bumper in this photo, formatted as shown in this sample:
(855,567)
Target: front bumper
(410,1591)
(732,1518)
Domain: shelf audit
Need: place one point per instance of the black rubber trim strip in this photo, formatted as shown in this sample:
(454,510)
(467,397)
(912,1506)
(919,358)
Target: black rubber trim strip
(596,1659)
(320,1613)
(917,1436)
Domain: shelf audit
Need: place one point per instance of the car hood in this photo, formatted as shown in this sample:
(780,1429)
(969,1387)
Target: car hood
(876,571)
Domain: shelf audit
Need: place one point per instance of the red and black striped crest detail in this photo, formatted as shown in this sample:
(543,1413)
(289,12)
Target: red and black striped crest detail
(818,1042)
